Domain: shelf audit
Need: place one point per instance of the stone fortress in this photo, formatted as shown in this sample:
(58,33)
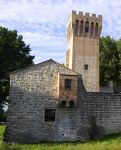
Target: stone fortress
(53,102)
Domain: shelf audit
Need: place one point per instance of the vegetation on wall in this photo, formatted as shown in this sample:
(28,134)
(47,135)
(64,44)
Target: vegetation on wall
(110,60)
(14,54)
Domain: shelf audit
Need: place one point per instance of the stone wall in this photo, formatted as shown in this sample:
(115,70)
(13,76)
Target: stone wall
(31,91)
(106,109)
(90,78)
(35,89)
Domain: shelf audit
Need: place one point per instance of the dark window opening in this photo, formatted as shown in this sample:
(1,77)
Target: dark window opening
(68,83)
(92,29)
(96,30)
(71,103)
(81,28)
(87,27)
(63,104)
(49,115)
(86,67)
(76,27)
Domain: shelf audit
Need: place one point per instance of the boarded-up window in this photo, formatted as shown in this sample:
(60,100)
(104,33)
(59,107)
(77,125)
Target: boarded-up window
(49,115)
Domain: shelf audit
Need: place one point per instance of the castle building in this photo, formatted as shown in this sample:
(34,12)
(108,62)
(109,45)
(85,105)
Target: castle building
(53,102)
(82,56)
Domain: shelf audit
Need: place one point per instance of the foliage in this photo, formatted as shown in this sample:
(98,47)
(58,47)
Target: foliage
(14,54)
(110,60)
(111,142)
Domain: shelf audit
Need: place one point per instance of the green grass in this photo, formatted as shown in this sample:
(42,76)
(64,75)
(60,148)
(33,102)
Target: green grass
(112,142)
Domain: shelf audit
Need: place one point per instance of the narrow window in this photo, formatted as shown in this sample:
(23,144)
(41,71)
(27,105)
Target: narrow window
(68,83)
(63,104)
(71,103)
(81,28)
(92,29)
(86,27)
(96,30)
(86,67)
(49,115)
(76,27)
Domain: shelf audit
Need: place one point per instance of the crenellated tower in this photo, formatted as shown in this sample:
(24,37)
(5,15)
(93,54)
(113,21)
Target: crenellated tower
(82,56)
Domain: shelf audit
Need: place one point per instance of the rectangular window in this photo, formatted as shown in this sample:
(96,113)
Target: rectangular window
(68,83)
(86,67)
(49,115)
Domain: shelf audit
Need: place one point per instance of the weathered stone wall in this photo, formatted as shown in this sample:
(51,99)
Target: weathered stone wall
(106,109)
(31,91)
(91,81)
(35,89)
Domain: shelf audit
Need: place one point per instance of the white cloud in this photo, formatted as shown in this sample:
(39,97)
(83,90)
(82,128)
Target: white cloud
(49,41)
(43,23)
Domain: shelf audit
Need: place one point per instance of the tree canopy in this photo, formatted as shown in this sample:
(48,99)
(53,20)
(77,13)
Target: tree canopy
(110,60)
(14,54)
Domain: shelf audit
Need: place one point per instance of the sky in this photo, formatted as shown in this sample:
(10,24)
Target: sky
(43,22)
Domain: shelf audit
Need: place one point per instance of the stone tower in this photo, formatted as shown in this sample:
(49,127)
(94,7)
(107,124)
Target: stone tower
(82,56)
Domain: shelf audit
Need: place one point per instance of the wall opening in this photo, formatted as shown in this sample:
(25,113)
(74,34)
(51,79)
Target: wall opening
(68,83)
(81,28)
(71,104)
(86,27)
(92,29)
(76,27)
(96,30)
(63,104)
(49,115)
(86,66)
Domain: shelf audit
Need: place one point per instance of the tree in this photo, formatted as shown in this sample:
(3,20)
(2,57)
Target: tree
(14,54)
(110,60)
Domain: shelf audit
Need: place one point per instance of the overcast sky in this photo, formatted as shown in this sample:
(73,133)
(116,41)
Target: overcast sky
(43,22)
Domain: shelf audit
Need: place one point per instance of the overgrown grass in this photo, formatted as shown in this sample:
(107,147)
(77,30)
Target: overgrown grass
(112,142)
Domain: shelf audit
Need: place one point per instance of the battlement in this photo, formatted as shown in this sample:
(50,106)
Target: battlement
(84,25)
(81,14)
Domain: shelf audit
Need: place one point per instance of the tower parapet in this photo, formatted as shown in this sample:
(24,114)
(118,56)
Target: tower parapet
(86,24)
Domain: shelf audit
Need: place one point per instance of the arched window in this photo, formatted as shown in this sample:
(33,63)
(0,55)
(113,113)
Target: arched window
(92,29)
(76,27)
(63,104)
(96,30)
(81,28)
(71,103)
(86,27)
